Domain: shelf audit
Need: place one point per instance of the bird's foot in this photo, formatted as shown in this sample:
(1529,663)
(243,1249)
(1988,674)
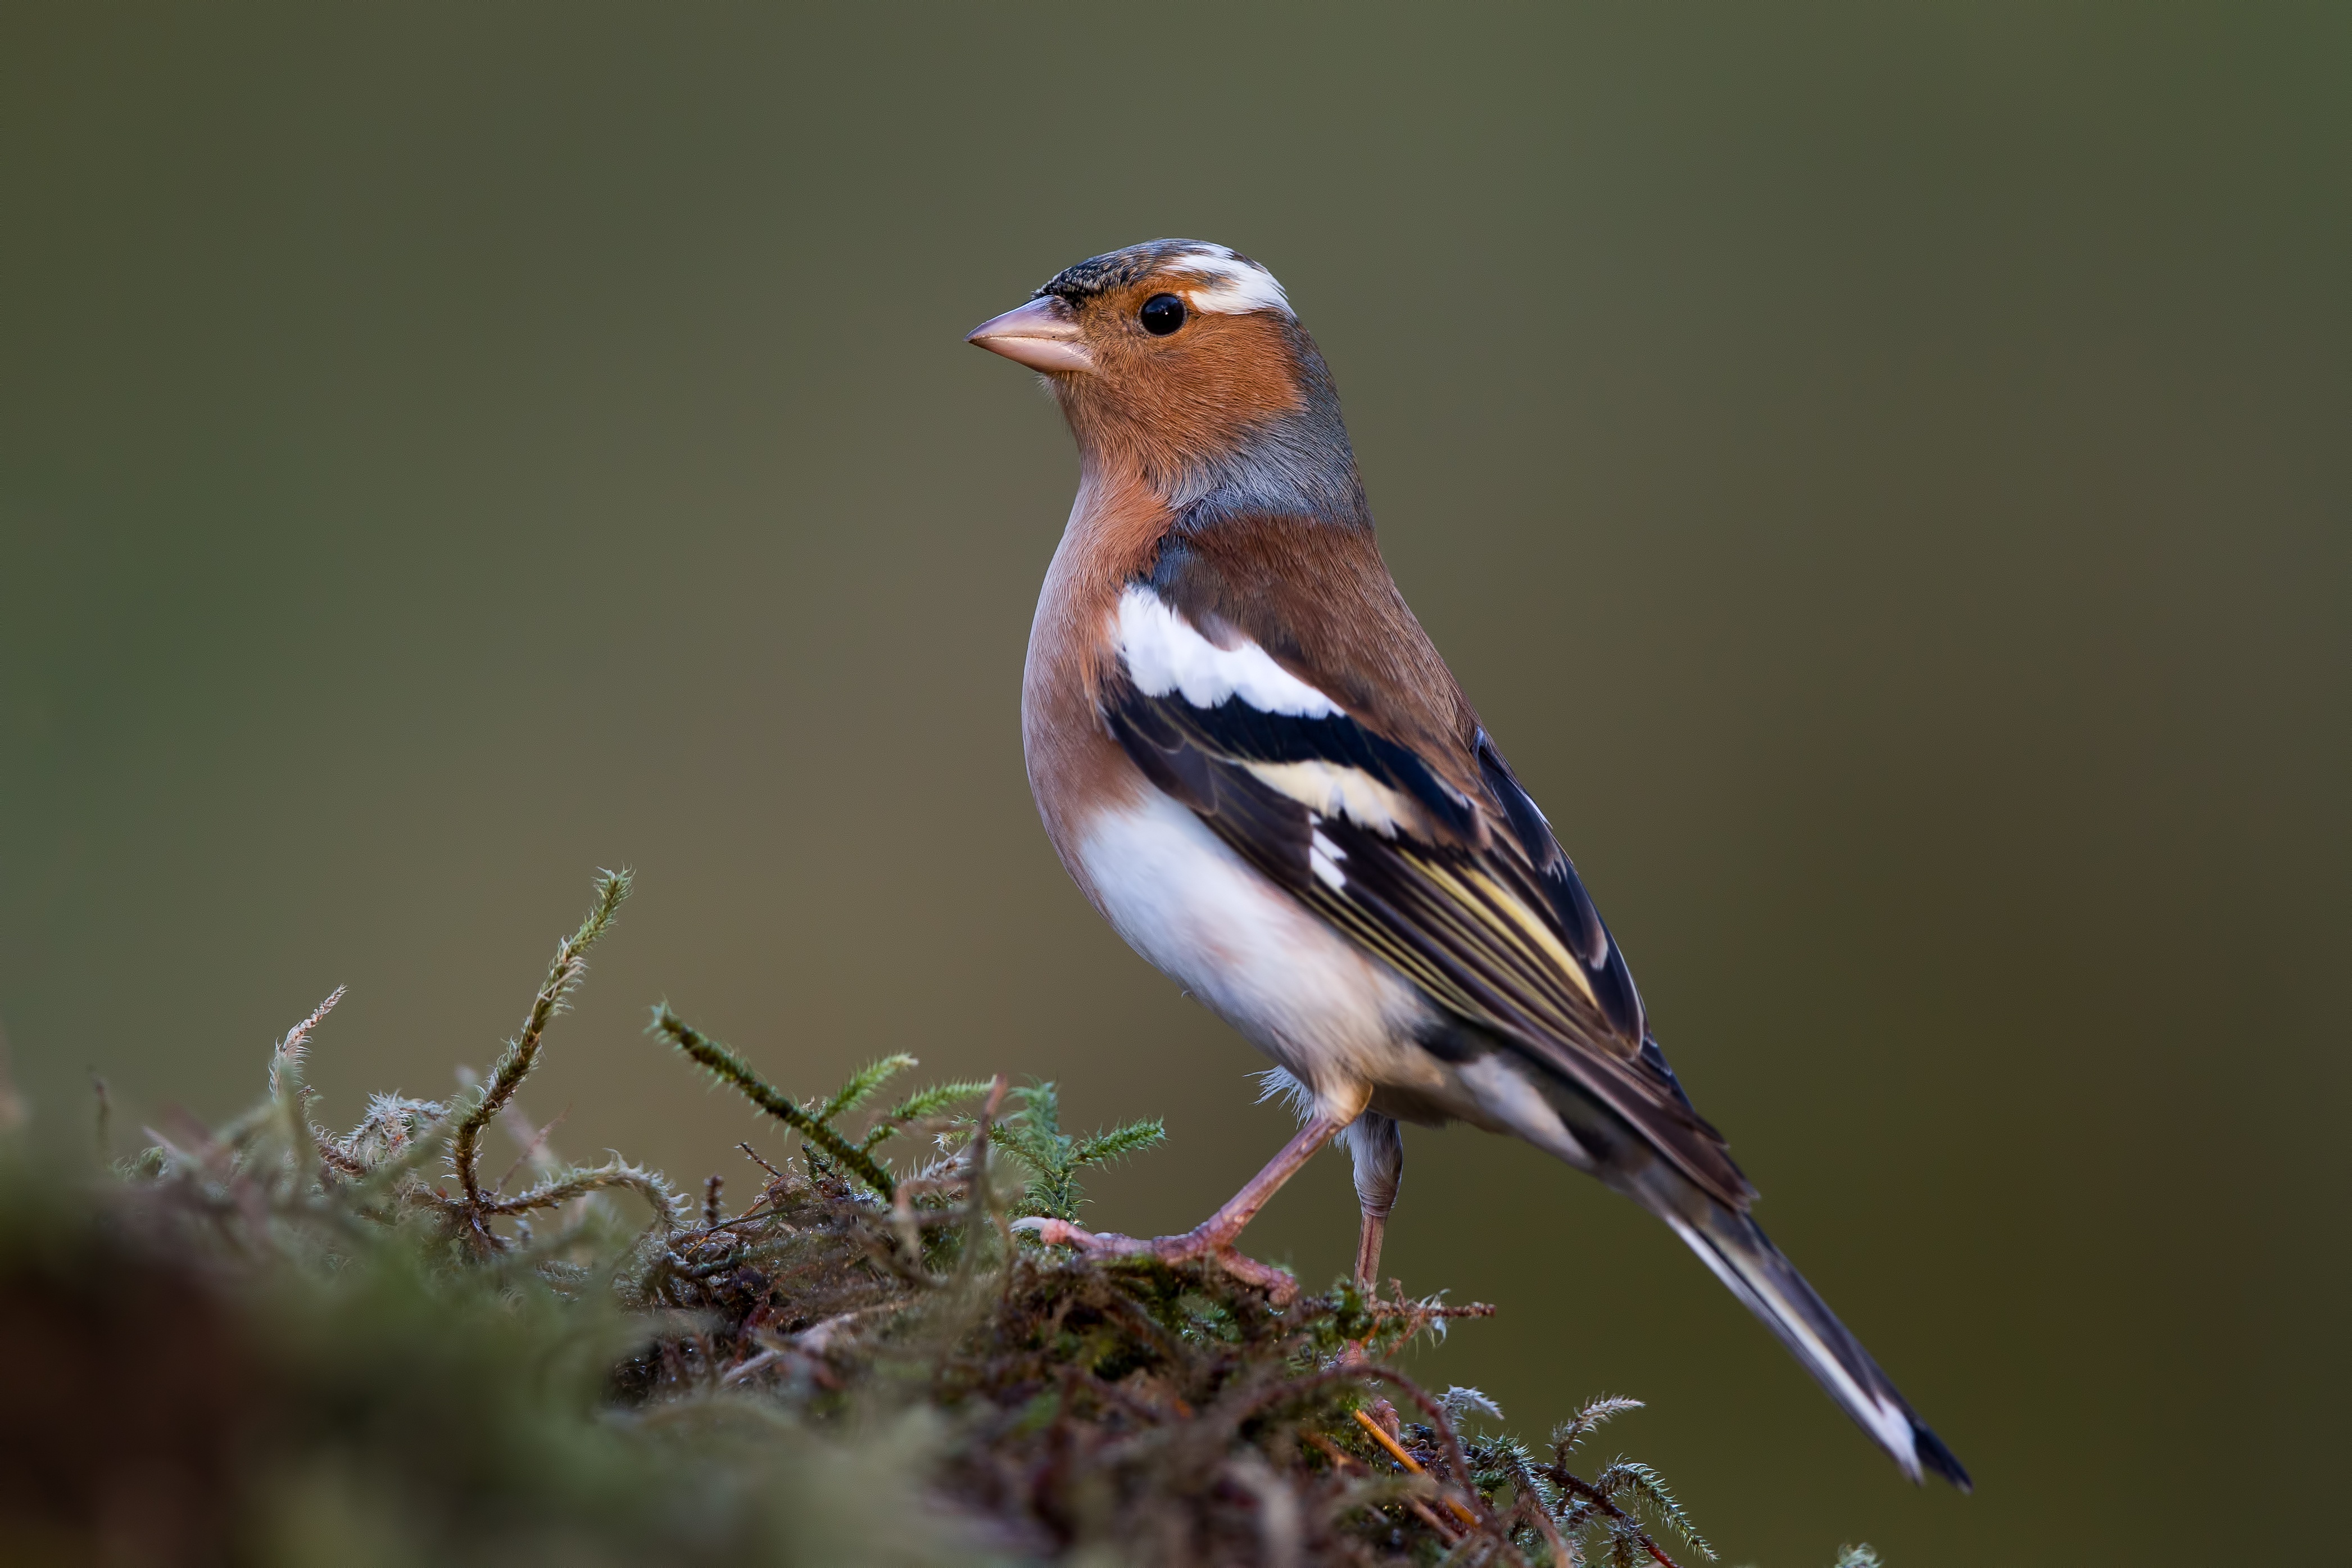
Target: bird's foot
(1206,1242)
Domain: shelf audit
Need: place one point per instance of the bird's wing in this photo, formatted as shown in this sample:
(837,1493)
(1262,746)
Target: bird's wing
(1464,890)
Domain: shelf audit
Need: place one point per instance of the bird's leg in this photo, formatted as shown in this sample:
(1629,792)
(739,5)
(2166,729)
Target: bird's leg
(1379,1150)
(1212,1236)
(1368,1251)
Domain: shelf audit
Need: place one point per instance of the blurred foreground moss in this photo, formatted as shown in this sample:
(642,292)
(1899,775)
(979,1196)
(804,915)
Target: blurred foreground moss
(267,1343)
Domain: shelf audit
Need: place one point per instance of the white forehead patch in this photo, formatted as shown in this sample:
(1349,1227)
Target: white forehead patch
(1235,287)
(1163,655)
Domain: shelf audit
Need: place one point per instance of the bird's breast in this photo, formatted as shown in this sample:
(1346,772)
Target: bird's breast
(1339,1019)
(1076,769)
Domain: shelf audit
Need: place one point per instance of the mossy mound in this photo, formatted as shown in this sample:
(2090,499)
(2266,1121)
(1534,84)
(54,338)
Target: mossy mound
(265,1343)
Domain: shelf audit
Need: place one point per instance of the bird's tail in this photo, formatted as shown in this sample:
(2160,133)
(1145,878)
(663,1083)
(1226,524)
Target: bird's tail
(1744,1259)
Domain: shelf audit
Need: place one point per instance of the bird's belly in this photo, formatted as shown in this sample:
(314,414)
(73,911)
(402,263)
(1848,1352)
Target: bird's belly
(1336,1018)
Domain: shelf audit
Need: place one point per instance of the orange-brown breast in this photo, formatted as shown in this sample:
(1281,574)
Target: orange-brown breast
(1076,769)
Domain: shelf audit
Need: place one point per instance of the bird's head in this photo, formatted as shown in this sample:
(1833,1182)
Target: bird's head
(1183,361)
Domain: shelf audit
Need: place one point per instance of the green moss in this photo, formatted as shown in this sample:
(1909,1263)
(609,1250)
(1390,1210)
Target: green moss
(265,1342)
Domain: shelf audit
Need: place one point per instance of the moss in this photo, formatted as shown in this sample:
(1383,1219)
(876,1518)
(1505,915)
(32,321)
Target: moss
(265,1342)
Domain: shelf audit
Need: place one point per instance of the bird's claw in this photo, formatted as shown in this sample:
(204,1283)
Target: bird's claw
(1062,1233)
(1278,1284)
(1281,1287)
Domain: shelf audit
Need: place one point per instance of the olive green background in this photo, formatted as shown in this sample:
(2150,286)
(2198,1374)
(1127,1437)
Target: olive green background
(1882,471)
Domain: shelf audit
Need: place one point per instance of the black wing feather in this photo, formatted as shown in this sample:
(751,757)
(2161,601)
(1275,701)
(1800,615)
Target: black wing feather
(1493,926)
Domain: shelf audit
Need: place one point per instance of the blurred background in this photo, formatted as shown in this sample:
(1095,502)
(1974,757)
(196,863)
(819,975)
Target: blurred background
(1883,474)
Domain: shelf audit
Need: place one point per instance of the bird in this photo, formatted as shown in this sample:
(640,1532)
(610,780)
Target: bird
(1257,767)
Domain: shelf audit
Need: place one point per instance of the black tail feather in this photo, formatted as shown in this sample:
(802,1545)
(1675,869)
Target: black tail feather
(1736,1247)
(1564,1116)
(1938,1459)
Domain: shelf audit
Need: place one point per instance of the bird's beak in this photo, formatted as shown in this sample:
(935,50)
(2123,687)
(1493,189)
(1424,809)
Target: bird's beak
(1040,334)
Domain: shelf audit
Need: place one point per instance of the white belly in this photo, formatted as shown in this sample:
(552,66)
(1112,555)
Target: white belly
(1336,1018)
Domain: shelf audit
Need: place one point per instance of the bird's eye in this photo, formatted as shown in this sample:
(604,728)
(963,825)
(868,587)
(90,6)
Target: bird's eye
(1162,314)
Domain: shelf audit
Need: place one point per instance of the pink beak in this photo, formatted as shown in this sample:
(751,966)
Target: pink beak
(1040,334)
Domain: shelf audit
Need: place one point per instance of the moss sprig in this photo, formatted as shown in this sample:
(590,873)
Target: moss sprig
(1055,1158)
(732,1070)
(521,1053)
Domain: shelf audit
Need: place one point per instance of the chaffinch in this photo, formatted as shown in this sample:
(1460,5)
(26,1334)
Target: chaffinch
(1256,766)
